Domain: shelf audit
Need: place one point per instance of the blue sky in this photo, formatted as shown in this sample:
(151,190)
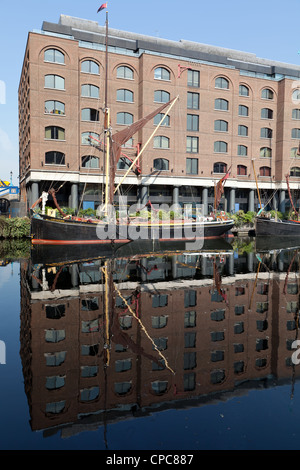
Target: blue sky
(267,28)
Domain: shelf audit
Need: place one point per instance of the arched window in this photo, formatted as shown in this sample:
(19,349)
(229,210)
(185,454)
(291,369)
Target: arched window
(265,152)
(125,72)
(125,96)
(243,131)
(243,110)
(296,114)
(90,138)
(89,91)
(265,171)
(123,164)
(266,133)
(161,164)
(296,96)
(90,161)
(161,96)
(54,55)
(222,82)
(266,113)
(54,158)
(159,117)
(295,171)
(242,150)
(54,107)
(220,147)
(243,90)
(90,66)
(221,126)
(221,104)
(295,133)
(161,73)
(89,114)
(54,81)
(124,118)
(54,133)
(161,142)
(294,152)
(242,170)
(220,167)
(267,94)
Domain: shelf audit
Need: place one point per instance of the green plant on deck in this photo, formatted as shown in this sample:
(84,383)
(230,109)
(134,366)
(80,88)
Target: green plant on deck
(241,218)
(18,227)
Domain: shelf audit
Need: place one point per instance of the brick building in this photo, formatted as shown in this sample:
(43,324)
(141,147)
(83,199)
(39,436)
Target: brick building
(235,111)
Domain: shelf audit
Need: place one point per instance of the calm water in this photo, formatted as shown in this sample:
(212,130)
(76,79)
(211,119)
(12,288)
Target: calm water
(153,349)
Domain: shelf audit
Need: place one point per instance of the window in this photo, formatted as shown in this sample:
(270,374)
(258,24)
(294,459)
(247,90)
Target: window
(222,82)
(161,96)
(193,100)
(90,66)
(267,94)
(159,117)
(123,164)
(220,147)
(295,133)
(296,96)
(241,170)
(192,144)
(266,133)
(265,152)
(90,138)
(124,118)
(193,78)
(220,167)
(161,142)
(54,81)
(125,96)
(192,166)
(243,131)
(295,171)
(265,171)
(54,133)
(161,164)
(266,113)
(90,91)
(192,122)
(54,55)
(221,104)
(242,150)
(243,110)
(161,73)
(296,114)
(221,126)
(294,152)
(54,158)
(89,114)
(54,107)
(89,161)
(243,90)
(125,72)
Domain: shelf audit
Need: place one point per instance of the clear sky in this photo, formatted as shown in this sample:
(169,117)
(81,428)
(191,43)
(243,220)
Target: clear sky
(267,28)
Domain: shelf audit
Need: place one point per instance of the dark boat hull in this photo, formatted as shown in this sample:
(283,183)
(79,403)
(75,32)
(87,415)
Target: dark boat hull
(276,228)
(48,230)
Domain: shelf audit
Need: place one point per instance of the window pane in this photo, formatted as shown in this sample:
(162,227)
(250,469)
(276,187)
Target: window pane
(124,72)
(193,100)
(193,78)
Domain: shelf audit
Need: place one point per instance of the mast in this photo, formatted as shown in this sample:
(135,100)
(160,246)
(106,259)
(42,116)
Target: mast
(261,208)
(108,182)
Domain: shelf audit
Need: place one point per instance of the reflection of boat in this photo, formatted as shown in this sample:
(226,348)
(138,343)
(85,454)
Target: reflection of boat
(269,243)
(55,255)
(46,229)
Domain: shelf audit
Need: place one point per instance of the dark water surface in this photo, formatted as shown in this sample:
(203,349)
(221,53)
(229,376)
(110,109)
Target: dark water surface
(150,350)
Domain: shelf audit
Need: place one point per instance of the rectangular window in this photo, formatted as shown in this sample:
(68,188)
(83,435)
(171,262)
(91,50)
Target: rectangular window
(193,100)
(192,122)
(192,144)
(193,78)
(192,166)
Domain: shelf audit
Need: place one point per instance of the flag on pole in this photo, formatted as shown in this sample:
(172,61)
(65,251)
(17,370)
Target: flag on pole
(104,5)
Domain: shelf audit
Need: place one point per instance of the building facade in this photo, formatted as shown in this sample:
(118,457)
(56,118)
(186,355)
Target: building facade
(234,112)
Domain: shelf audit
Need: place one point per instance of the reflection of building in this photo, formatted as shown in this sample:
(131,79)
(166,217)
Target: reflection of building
(215,335)
(233,107)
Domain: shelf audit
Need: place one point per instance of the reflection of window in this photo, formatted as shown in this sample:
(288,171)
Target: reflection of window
(217,336)
(217,356)
(159,300)
(89,394)
(292,289)
(55,312)
(125,322)
(262,307)
(189,319)
(55,359)
(189,381)
(54,336)
(159,321)
(261,344)
(218,315)
(261,325)
(189,360)
(90,326)
(160,343)
(217,376)
(121,365)
(239,309)
(159,387)
(56,382)
(122,388)
(189,340)
(238,328)
(56,407)
(292,307)
(90,349)
(190,298)
(54,55)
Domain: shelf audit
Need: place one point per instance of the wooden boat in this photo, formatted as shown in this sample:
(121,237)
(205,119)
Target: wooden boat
(69,230)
